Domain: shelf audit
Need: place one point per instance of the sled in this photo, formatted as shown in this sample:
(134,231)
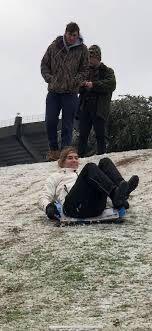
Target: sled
(108,215)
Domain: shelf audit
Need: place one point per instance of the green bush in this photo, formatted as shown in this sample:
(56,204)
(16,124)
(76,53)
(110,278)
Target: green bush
(130,124)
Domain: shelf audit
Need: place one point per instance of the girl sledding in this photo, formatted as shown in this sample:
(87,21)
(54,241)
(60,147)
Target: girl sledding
(83,194)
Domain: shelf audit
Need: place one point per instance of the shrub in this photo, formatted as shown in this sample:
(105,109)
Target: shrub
(130,124)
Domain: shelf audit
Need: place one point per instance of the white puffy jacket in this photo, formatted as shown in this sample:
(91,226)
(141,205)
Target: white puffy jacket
(57,186)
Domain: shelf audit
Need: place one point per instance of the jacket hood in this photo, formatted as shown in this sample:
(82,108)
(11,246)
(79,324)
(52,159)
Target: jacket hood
(61,43)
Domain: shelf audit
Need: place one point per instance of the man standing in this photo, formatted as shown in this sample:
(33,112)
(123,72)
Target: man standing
(95,97)
(64,67)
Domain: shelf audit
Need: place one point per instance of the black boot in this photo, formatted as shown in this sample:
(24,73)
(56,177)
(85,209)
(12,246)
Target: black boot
(101,147)
(132,183)
(109,168)
(126,204)
(118,195)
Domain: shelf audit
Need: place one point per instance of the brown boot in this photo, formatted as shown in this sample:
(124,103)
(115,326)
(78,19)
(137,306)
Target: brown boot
(53,155)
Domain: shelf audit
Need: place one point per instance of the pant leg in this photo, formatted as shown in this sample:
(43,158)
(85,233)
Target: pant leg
(52,118)
(109,168)
(99,128)
(88,196)
(69,102)
(85,126)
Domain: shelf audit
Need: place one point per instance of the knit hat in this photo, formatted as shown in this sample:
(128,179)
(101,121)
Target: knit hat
(95,51)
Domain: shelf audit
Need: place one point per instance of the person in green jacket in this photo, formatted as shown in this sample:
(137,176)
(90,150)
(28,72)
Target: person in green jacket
(95,98)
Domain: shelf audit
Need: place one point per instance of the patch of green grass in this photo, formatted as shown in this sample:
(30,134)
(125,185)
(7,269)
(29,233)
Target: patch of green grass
(87,257)
(11,314)
(28,261)
(12,287)
(106,243)
(124,307)
(72,273)
(7,243)
(95,312)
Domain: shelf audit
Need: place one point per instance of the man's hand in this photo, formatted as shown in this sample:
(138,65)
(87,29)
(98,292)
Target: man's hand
(88,84)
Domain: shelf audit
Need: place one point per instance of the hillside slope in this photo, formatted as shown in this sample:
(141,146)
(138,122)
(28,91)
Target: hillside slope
(97,275)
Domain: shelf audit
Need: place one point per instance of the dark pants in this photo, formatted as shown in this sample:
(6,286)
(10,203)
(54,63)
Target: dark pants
(88,118)
(88,196)
(68,102)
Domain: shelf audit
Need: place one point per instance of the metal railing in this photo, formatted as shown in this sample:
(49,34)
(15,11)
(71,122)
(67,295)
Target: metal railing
(25,119)
(33,118)
(7,123)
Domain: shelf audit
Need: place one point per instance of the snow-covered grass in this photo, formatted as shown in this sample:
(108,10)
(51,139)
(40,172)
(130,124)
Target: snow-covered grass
(97,275)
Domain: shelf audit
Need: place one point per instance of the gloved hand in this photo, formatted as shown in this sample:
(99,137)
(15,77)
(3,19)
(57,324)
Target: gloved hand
(52,211)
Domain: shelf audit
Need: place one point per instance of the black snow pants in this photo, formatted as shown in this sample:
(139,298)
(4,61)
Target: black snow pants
(88,196)
(88,118)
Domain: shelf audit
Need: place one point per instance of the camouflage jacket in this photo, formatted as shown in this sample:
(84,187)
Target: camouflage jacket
(104,83)
(65,68)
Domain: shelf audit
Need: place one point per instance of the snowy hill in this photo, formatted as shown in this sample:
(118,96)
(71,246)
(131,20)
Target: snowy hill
(91,275)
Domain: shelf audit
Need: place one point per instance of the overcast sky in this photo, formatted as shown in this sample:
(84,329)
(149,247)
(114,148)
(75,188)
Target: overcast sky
(122,28)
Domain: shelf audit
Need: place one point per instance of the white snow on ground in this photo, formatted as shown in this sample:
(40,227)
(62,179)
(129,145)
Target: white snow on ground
(97,275)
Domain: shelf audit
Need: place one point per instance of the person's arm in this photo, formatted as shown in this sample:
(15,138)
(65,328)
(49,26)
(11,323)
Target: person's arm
(48,193)
(46,66)
(47,200)
(108,84)
(82,73)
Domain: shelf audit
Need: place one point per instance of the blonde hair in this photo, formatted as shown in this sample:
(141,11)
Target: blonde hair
(64,153)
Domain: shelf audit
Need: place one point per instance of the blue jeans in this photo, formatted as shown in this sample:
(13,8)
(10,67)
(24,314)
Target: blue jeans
(68,102)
